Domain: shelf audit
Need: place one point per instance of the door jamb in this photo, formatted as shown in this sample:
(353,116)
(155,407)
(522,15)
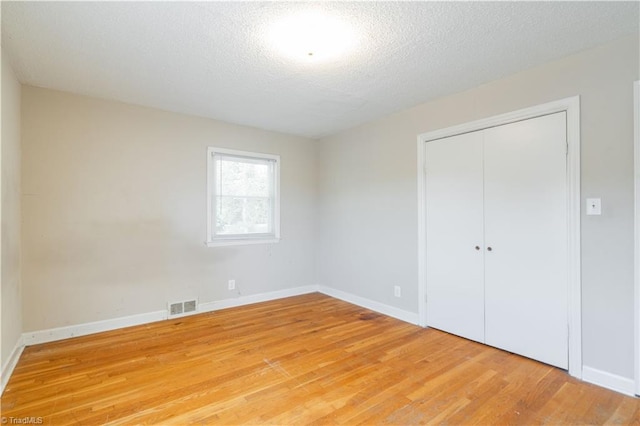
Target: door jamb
(571,106)
(636,256)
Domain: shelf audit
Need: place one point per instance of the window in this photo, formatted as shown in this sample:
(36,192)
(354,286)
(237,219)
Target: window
(243,197)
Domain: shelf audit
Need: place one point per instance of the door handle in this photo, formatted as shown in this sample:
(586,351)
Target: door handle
(477,247)
(489,248)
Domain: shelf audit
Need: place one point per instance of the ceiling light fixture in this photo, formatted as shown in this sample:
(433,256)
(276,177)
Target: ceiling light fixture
(312,37)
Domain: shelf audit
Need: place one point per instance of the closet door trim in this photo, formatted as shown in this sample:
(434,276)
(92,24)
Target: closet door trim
(636,181)
(572,108)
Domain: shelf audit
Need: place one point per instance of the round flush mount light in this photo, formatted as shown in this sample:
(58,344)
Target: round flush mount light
(312,37)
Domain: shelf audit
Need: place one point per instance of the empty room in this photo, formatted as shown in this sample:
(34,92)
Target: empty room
(320,213)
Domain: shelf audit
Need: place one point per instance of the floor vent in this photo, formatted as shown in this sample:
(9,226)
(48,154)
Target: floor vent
(179,308)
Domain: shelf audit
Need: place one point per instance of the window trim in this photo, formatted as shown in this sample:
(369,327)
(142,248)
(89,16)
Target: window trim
(241,239)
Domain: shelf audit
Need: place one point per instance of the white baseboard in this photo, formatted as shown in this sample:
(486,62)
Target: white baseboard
(255,298)
(406,316)
(10,365)
(60,333)
(607,380)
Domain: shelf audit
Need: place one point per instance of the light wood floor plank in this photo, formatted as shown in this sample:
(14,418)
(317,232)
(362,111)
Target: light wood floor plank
(308,359)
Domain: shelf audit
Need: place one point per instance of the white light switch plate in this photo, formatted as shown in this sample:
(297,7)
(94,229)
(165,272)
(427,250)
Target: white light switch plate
(594,206)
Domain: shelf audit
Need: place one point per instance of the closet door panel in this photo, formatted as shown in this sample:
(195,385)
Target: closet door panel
(526,229)
(454,227)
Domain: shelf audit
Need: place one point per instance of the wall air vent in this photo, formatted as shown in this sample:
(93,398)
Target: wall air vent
(175,308)
(181,308)
(190,306)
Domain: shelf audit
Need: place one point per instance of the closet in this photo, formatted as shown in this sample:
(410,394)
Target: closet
(496,237)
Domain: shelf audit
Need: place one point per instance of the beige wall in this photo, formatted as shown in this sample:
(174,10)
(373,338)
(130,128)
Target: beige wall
(368,191)
(113,203)
(10,232)
(114,211)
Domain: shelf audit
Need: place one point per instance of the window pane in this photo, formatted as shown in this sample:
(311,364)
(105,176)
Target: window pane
(240,178)
(243,215)
(244,196)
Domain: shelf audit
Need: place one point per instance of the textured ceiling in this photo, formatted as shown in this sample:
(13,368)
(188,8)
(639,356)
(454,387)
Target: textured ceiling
(213,59)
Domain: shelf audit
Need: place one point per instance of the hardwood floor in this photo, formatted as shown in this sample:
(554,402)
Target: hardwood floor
(303,360)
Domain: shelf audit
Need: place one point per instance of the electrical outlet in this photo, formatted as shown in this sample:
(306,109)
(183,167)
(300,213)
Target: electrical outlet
(397,291)
(232,284)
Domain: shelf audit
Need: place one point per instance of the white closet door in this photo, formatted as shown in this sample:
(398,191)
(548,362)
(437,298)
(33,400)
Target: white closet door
(526,229)
(455,294)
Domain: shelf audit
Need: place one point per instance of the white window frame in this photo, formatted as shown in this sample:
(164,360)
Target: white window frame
(228,240)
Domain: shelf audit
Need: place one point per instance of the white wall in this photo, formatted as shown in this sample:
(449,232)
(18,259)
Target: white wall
(113,203)
(10,215)
(114,211)
(368,191)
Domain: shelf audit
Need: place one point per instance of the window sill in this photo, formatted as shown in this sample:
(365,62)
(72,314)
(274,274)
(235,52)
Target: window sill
(242,242)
